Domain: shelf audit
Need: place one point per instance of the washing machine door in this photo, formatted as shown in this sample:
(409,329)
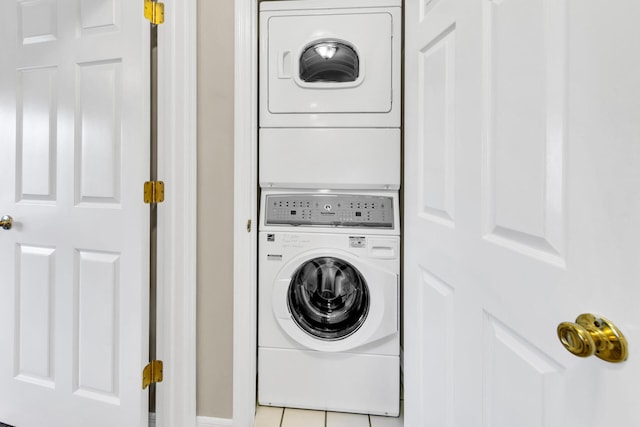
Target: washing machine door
(335,302)
(328,298)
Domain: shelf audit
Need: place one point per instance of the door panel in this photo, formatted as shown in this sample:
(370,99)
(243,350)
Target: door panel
(34,303)
(436,91)
(98,140)
(525,87)
(36,145)
(521,209)
(74,267)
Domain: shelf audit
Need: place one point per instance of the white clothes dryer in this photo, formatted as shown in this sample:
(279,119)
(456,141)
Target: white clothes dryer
(328,311)
(330,63)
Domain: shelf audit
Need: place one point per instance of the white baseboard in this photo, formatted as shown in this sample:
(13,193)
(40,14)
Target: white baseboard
(201,421)
(213,422)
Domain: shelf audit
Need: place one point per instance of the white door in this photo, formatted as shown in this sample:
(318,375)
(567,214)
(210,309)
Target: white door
(522,210)
(74,266)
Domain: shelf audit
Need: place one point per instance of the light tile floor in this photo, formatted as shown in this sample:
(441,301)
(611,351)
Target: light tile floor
(268,416)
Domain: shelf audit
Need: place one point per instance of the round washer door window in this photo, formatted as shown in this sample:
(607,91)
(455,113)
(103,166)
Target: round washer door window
(328,298)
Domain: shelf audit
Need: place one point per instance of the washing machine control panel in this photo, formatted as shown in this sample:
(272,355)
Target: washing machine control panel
(334,210)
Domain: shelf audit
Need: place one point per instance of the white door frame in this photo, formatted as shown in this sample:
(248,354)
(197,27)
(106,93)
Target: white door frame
(177,138)
(245,209)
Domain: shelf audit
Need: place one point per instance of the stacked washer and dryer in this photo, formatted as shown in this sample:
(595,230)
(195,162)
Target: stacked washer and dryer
(329,233)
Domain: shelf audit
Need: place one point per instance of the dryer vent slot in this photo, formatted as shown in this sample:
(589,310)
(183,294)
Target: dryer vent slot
(329,62)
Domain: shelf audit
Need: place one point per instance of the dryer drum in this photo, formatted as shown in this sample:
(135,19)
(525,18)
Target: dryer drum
(328,298)
(329,61)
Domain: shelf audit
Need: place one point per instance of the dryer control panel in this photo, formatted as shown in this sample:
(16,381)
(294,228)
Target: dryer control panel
(329,210)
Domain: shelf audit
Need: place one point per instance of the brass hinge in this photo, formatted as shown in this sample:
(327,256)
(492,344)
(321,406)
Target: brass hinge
(152,373)
(154,192)
(154,11)
(248,226)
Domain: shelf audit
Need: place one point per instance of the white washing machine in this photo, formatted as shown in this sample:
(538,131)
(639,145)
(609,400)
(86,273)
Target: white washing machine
(330,63)
(328,311)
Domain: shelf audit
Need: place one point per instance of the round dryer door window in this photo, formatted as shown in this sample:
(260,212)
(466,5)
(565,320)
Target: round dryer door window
(329,62)
(328,298)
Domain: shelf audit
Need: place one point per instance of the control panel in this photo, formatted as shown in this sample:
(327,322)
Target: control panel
(329,210)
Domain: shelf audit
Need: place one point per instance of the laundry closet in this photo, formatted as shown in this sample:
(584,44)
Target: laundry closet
(329,221)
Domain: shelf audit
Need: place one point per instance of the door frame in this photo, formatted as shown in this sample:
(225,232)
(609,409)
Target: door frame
(177,161)
(245,301)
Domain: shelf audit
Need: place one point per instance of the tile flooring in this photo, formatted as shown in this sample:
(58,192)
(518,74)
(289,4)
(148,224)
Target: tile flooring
(268,416)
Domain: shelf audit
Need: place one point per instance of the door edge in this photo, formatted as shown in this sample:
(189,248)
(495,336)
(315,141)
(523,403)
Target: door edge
(177,140)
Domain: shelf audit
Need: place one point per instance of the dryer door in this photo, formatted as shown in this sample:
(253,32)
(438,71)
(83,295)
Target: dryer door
(328,298)
(326,63)
(329,61)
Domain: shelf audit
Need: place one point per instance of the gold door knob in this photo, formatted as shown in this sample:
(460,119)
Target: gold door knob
(6,222)
(592,334)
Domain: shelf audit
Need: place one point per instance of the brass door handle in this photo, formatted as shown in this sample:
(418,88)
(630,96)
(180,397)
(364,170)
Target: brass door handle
(594,335)
(6,222)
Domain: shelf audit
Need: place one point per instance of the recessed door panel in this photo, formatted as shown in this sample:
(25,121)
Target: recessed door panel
(36,140)
(35,290)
